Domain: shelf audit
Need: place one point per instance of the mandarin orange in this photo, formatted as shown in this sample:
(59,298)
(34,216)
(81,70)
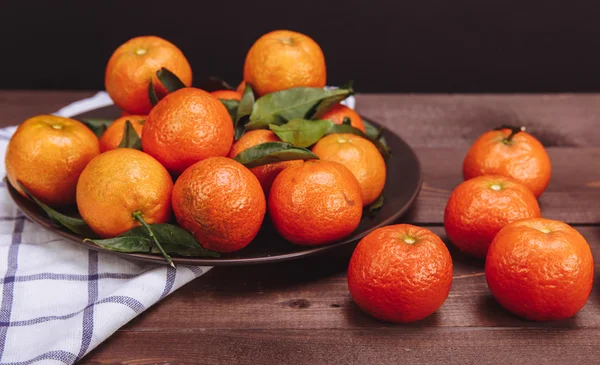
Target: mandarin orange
(185,127)
(46,155)
(118,183)
(480,207)
(315,203)
(512,153)
(134,64)
(400,273)
(220,202)
(284,59)
(540,269)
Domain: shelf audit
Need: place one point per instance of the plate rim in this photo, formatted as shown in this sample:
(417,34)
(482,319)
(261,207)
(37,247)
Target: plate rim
(19,200)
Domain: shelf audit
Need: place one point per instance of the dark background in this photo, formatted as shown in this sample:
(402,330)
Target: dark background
(384,46)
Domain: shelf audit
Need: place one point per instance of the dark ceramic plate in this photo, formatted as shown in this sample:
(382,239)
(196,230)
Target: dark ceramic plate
(401,188)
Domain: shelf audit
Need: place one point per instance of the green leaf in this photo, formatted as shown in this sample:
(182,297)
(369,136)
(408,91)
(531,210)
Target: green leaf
(73,224)
(232,107)
(169,80)
(302,132)
(152,94)
(272,152)
(345,128)
(374,207)
(98,126)
(244,111)
(130,138)
(375,133)
(328,103)
(174,240)
(297,103)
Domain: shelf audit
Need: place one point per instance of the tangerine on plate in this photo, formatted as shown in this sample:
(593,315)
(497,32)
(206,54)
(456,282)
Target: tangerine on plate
(360,156)
(265,174)
(540,269)
(284,59)
(220,202)
(46,154)
(185,127)
(227,95)
(510,152)
(480,207)
(339,111)
(315,203)
(113,135)
(400,273)
(134,64)
(118,183)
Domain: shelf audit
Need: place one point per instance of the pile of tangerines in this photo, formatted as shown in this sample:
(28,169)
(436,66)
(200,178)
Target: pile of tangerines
(282,143)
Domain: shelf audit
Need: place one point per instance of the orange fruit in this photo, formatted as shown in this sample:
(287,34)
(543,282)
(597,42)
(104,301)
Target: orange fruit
(46,155)
(113,135)
(480,207)
(315,203)
(185,127)
(265,174)
(400,273)
(339,112)
(227,95)
(360,156)
(118,183)
(521,157)
(241,87)
(134,64)
(220,202)
(540,269)
(283,59)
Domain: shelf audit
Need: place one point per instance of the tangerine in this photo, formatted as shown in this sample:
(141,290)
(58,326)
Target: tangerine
(315,203)
(400,273)
(46,155)
(220,202)
(540,269)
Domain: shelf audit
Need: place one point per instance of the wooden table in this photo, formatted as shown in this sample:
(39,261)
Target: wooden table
(301,312)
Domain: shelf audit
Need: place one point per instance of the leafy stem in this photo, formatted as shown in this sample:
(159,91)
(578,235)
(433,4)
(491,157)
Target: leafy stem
(137,215)
(513,131)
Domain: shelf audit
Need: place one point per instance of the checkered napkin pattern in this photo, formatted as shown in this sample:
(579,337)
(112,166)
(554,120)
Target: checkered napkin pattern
(59,301)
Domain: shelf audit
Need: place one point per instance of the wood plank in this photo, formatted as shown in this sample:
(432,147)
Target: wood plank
(400,344)
(313,294)
(17,106)
(455,120)
(572,196)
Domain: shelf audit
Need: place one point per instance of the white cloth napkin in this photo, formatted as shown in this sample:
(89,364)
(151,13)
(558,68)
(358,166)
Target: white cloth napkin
(59,301)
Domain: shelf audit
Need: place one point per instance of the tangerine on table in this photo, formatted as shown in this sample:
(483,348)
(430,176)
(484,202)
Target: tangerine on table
(510,152)
(220,202)
(339,111)
(227,95)
(241,87)
(315,203)
(480,207)
(46,155)
(265,174)
(360,156)
(400,273)
(118,183)
(284,59)
(113,135)
(134,64)
(540,269)
(185,127)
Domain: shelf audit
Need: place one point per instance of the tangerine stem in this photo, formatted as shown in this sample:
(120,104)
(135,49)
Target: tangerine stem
(513,131)
(138,216)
